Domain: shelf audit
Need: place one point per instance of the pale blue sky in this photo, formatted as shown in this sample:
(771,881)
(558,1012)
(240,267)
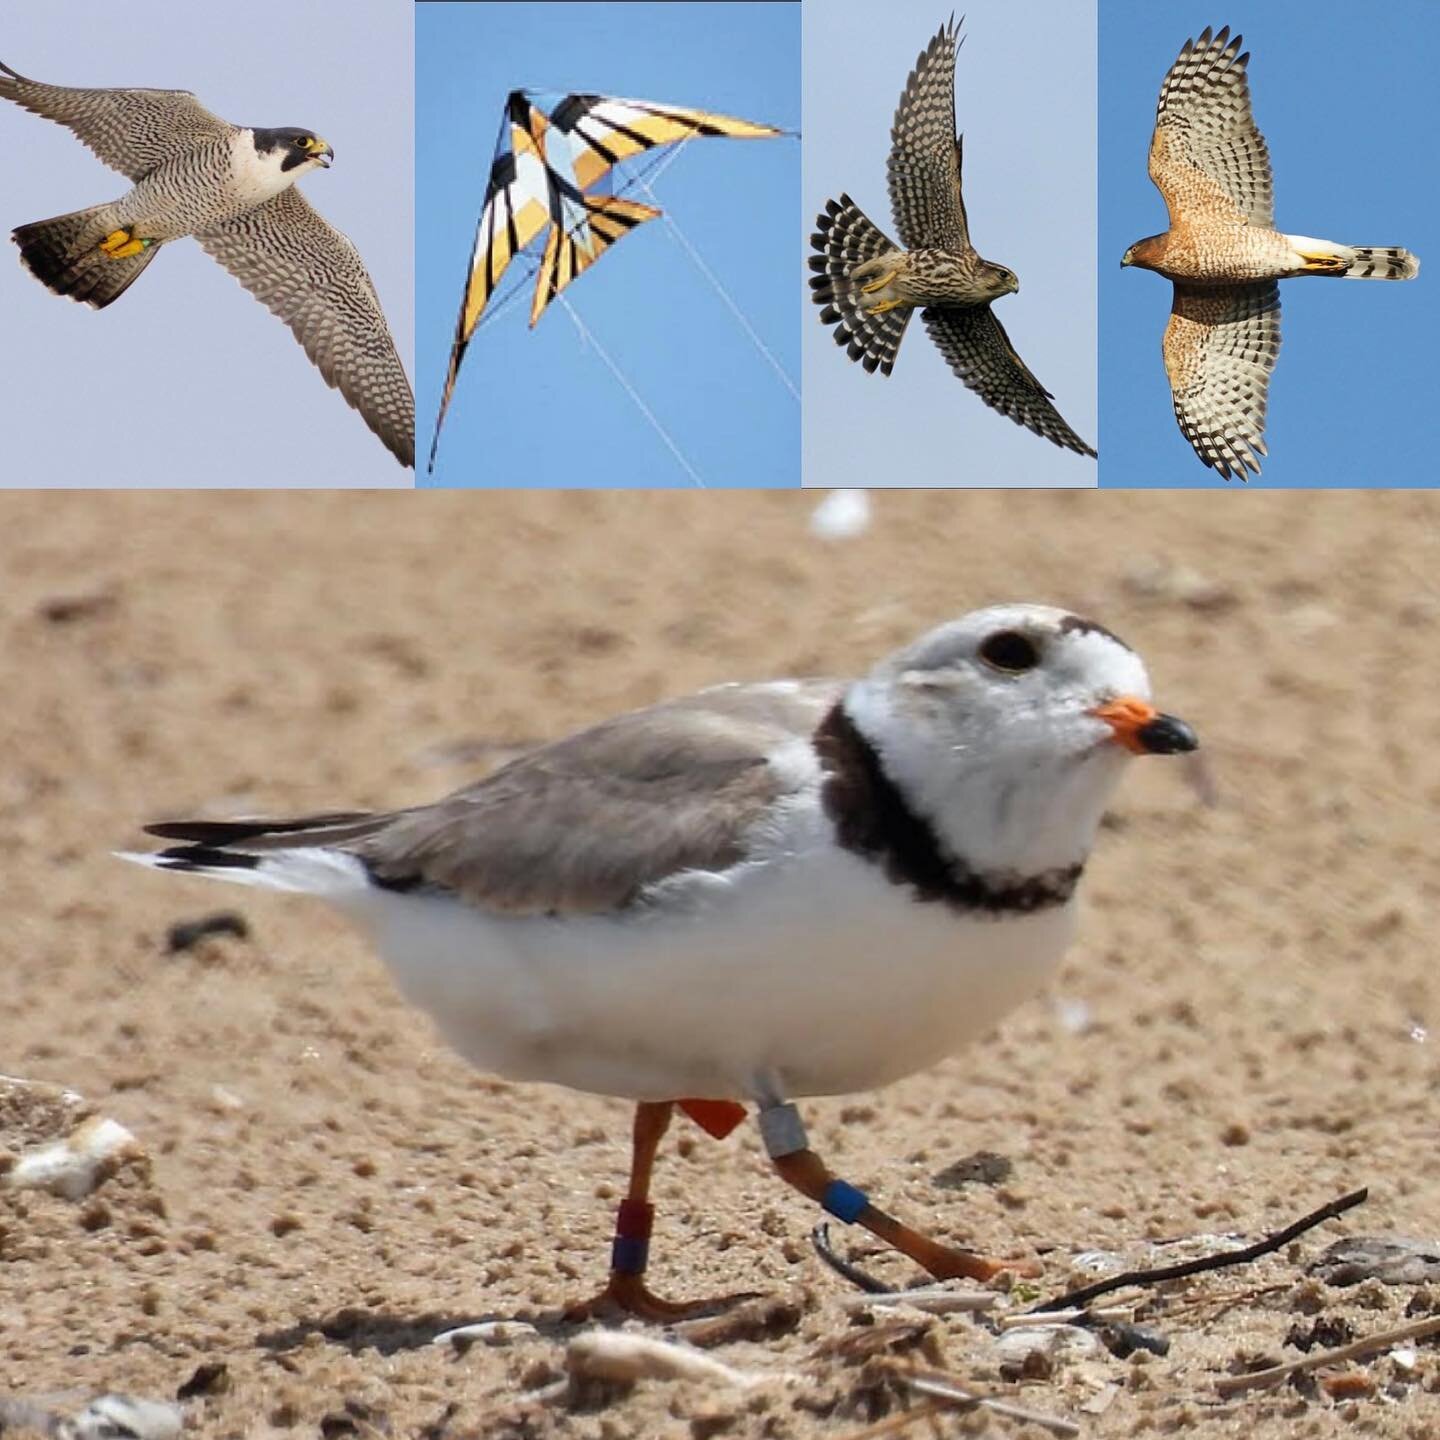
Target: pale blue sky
(1025,102)
(540,408)
(1349,105)
(187,379)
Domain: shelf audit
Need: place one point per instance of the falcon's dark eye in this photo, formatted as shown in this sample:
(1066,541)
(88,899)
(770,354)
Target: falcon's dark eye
(1010,651)
(304,143)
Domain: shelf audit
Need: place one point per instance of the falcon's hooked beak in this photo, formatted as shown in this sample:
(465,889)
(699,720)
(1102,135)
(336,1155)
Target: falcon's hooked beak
(1128,258)
(1141,728)
(318,150)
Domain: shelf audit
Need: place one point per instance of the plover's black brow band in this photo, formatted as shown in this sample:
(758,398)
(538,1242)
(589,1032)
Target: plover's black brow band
(873,821)
(1078,624)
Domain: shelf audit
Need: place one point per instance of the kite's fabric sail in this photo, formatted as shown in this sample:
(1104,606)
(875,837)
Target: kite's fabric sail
(552,150)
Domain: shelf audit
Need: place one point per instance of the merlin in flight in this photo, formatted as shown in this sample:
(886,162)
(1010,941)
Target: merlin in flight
(233,189)
(868,288)
(1224,255)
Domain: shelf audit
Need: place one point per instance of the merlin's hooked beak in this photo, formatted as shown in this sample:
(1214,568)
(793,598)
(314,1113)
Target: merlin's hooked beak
(1141,728)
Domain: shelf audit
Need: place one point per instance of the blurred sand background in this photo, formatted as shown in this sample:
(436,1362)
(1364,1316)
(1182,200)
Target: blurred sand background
(1244,1030)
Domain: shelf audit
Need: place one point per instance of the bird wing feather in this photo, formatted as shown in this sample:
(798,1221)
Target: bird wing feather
(310,275)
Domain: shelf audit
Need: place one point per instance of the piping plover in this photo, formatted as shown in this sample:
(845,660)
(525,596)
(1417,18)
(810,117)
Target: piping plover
(754,893)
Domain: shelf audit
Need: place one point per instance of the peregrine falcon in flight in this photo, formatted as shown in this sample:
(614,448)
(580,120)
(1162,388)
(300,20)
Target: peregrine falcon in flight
(869,288)
(233,188)
(1224,255)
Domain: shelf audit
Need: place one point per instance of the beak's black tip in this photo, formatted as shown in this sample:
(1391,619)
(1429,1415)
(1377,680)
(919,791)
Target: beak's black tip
(1166,735)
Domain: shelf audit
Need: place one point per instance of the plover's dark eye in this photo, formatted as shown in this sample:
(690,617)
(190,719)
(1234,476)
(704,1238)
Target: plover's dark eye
(1010,651)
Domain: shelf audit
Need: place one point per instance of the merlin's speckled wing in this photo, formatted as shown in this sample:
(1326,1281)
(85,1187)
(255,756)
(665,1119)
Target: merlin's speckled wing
(310,275)
(552,149)
(977,349)
(1206,157)
(1220,347)
(132,131)
(924,164)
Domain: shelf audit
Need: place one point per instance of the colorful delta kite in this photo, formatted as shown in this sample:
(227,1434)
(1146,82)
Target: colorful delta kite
(552,149)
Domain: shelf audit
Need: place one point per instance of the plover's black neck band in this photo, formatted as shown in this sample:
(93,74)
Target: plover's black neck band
(873,820)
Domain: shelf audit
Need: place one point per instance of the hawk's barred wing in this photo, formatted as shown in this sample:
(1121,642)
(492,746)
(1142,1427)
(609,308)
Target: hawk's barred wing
(844,238)
(924,163)
(551,150)
(1220,347)
(1207,157)
(312,277)
(132,131)
(977,349)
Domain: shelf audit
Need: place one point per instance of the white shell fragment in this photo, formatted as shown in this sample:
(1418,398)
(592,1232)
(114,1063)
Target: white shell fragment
(486,1332)
(841,515)
(617,1356)
(74,1166)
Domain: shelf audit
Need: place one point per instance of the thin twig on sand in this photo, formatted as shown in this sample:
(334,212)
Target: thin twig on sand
(1243,1256)
(1258,1379)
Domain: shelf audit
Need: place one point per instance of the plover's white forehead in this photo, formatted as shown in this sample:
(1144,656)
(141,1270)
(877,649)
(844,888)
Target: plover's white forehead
(1069,646)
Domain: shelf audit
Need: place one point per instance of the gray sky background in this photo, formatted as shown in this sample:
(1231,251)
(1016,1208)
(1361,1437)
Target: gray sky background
(187,380)
(1025,102)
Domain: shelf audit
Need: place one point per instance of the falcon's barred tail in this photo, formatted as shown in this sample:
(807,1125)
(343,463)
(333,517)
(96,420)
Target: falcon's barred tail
(1354,262)
(844,238)
(62,255)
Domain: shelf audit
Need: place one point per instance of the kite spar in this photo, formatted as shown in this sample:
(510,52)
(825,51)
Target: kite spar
(552,149)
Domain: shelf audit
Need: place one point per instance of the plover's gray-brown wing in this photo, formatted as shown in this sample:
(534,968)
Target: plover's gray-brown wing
(581,826)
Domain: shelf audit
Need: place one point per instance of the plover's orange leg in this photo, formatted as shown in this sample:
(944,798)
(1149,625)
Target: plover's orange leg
(798,1165)
(625,1292)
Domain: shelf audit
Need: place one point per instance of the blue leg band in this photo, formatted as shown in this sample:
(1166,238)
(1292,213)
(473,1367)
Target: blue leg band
(844,1201)
(628,1255)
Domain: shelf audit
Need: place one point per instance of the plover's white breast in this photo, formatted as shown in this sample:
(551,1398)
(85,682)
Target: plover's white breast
(809,969)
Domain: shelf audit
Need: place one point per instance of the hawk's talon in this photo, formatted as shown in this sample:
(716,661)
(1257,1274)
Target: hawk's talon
(879,284)
(881,306)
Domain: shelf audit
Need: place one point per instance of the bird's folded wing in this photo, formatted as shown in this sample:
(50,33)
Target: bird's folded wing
(924,164)
(313,278)
(132,131)
(583,826)
(1207,158)
(1220,347)
(977,349)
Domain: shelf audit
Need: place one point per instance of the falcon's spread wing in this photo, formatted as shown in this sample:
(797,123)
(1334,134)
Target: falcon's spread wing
(132,131)
(551,150)
(1206,157)
(312,277)
(977,349)
(1220,347)
(844,238)
(582,826)
(924,164)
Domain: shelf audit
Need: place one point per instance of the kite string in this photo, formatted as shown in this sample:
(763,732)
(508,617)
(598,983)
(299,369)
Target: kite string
(710,275)
(587,338)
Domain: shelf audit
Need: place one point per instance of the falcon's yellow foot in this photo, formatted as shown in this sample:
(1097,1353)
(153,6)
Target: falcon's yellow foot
(881,306)
(1324,264)
(879,283)
(122,244)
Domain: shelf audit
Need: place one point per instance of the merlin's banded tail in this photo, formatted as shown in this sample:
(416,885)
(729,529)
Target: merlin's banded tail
(63,254)
(844,238)
(1354,262)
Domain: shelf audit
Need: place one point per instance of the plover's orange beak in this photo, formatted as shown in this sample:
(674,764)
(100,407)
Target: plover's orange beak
(1141,728)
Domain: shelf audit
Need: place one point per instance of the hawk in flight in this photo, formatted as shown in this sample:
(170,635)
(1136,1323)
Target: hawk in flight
(868,288)
(232,188)
(1225,256)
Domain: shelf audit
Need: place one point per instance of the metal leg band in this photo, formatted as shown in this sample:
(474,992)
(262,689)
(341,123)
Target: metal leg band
(782,1130)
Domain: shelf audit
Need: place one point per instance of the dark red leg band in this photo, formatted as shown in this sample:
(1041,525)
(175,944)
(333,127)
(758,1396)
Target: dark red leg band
(631,1250)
